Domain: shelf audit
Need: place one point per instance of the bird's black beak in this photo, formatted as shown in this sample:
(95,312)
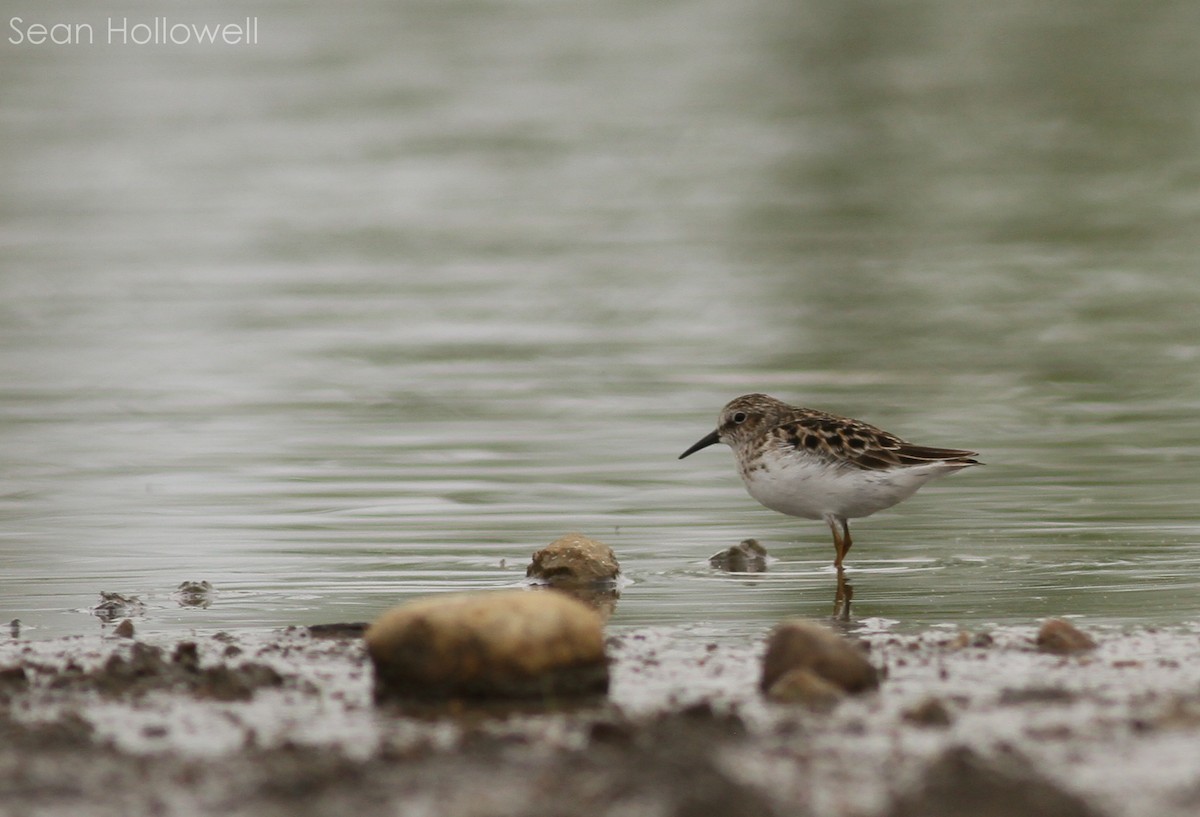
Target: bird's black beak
(711,439)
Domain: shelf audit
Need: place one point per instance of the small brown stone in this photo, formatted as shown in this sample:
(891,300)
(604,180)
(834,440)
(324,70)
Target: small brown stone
(801,686)
(574,560)
(505,644)
(1061,637)
(748,556)
(930,712)
(125,628)
(798,644)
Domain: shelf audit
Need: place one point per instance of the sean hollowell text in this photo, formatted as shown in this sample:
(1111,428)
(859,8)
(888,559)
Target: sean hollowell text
(123,31)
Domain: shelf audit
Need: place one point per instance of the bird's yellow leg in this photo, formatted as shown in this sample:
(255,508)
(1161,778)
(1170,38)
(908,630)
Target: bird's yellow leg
(841,539)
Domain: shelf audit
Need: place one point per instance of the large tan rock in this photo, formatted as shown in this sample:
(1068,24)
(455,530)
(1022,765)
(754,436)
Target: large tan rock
(507,643)
(802,645)
(574,560)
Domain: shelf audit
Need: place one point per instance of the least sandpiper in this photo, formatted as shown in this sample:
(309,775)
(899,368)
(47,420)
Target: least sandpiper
(807,463)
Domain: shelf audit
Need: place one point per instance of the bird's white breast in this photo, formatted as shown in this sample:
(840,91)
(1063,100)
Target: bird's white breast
(813,488)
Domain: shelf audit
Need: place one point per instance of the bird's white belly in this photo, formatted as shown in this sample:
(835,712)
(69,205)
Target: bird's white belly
(811,489)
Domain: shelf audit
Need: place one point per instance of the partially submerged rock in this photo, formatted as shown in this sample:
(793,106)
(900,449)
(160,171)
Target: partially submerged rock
(962,782)
(747,556)
(574,560)
(502,644)
(194,594)
(1061,637)
(113,606)
(802,645)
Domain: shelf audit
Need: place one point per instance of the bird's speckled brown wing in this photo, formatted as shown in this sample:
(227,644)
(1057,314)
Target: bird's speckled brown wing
(852,442)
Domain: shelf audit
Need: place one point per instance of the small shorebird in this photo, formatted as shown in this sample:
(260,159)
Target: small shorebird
(807,463)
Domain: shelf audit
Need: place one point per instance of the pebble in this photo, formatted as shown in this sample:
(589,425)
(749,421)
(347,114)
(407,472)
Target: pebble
(748,556)
(803,645)
(931,712)
(1061,637)
(574,560)
(500,644)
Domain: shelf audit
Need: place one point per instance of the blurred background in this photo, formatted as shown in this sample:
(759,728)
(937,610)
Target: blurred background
(379,305)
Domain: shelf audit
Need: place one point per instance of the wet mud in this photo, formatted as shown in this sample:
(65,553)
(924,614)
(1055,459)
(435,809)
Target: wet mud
(285,723)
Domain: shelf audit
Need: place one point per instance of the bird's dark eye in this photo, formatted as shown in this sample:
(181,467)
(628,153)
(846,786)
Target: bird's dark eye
(739,417)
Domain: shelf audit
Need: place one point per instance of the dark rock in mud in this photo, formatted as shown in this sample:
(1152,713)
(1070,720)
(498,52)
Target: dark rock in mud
(146,669)
(931,712)
(124,629)
(1061,637)
(960,782)
(802,645)
(574,560)
(748,556)
(503,644)
(13,681)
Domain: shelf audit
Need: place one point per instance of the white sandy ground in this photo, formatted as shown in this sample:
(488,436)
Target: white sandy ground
(1119,725)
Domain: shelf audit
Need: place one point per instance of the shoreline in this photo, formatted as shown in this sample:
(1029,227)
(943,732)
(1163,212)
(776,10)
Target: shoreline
(285,721)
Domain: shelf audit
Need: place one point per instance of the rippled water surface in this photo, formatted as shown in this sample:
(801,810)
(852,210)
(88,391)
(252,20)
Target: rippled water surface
(380,305)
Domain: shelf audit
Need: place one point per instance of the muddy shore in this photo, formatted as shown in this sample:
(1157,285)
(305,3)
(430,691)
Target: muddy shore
(284,723)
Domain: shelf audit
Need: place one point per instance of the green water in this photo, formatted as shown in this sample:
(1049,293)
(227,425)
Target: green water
(380,305)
